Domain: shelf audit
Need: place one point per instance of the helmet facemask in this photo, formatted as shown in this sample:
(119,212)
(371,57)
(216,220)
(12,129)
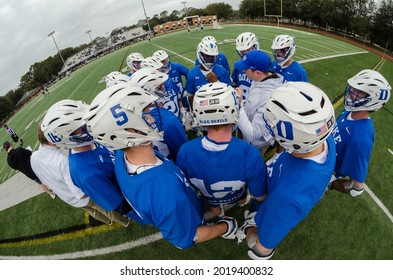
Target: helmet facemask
(207,61)
(354,99)
(287,47)
(244,52)
(156,125)
(161,92)
(136,65)
(166,65)
(286,55)
(83,138)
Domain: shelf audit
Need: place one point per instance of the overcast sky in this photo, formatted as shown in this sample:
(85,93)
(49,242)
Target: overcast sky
(25,24)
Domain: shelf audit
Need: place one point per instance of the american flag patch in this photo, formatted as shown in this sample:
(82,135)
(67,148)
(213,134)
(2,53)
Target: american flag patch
(204,102)
(321,130)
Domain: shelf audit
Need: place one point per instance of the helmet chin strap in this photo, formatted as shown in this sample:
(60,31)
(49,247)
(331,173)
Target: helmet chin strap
(146,143)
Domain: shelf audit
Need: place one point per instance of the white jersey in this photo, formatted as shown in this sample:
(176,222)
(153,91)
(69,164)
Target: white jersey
(51,167)
(251,122)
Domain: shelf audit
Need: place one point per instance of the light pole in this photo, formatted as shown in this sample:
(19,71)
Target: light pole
(88,33)
(51,34)
(185,8)
(147,20)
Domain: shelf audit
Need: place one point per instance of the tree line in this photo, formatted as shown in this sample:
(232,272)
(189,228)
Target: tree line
(366,18)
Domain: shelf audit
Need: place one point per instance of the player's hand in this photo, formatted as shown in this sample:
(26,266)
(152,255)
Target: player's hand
(232,227)
(211,77)
(239,93)
(248,222)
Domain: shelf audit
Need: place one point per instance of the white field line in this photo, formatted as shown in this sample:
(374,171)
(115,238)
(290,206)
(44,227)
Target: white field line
(91,253)
(330,56)
(327,48)
(179,55)
(338,45)
(390,151)
(379,203)
(380,64)
(281,28)
(81,83)
(311,50)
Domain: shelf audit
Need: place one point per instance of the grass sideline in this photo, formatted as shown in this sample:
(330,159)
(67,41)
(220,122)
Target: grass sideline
(338,228)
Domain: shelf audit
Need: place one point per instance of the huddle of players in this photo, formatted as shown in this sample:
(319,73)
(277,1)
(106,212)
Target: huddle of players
(131,139)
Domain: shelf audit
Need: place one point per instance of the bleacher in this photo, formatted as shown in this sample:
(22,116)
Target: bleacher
(104,45)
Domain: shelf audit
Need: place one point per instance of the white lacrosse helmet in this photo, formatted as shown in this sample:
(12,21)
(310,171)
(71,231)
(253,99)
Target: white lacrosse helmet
(209,38)
(373,84)
(62,119)
(215,104)
(287,45)
(134,61)
(162,56)
(300,116)
(150,80)
(114,78)
(151,62)
(246,42)
(117,109)
(207,52)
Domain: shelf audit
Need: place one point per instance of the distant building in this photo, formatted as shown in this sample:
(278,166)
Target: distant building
(180,24)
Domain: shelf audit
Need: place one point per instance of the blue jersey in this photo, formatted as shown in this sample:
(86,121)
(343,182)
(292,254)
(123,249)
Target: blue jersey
(221,60)
(172,102)
(222,171)
(94,173)
(196,79)
(176,72)
(162,197)
(174,134)
(354,142)
(241,80)
(293,73)
(295,186)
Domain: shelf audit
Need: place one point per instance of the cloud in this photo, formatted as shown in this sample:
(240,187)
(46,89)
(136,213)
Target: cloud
(25,25)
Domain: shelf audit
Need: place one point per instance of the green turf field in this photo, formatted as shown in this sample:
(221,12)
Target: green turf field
(340,227)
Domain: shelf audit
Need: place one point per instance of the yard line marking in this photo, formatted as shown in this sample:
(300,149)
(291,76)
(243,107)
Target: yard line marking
(179,55)
(81,83)
(390,151)
(378,202)
(91,253)
(330,56)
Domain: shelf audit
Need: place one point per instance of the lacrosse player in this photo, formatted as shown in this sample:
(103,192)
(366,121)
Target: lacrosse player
(366,92)
(301,118)
(223,168)
(283,48)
